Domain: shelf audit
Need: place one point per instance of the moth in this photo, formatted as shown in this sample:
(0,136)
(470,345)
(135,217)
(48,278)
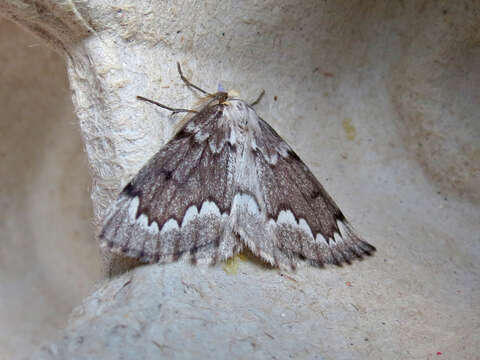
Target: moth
(227,181)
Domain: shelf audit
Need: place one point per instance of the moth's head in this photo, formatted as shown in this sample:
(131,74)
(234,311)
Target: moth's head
(223,95)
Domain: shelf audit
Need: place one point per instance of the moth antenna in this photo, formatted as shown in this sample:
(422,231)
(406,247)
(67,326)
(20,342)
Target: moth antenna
(174,111)
(188,83)
(258,98)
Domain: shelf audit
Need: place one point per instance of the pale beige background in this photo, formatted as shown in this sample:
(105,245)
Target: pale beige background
(379,98)
(49,260)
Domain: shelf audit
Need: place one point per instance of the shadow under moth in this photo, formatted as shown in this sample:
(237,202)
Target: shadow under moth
(227,181)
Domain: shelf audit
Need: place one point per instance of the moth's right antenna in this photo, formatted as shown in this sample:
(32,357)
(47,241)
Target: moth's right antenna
(258,99)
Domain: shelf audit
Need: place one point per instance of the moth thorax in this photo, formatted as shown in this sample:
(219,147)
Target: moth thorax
(238,113)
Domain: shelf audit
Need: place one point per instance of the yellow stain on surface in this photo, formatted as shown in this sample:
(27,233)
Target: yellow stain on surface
(231,265)
(350,130)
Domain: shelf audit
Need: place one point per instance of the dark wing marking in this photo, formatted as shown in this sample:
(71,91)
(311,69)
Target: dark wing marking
(177,204)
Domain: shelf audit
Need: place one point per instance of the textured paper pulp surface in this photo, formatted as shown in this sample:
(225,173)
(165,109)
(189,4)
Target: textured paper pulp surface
(380,100)
(48,257)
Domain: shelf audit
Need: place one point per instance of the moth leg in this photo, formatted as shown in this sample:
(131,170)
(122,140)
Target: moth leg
(174,111)
(189,84)
(258,98)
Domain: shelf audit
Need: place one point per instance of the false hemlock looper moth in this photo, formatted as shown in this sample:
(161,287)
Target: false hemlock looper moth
(227,181)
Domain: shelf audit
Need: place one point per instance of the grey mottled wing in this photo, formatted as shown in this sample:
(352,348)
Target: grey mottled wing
(303,222)
(228,180)
(179,201)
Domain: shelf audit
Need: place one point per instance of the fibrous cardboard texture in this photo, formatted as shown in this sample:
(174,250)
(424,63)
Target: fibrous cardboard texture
(379,99)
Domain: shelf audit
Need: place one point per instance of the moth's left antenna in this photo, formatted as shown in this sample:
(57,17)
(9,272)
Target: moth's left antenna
(188,83)
(174,111)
